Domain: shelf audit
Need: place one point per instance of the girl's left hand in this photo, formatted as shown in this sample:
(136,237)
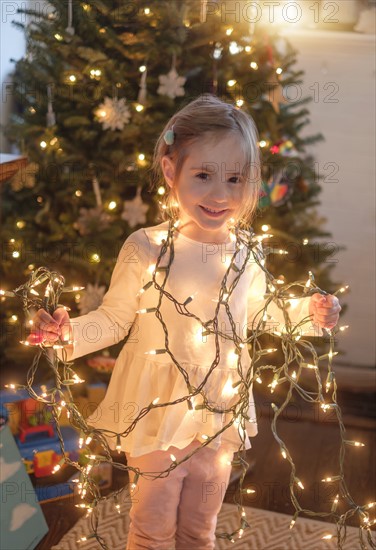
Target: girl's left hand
(324,310)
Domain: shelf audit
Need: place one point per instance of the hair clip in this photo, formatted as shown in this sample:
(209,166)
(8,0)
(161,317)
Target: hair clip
(169,136)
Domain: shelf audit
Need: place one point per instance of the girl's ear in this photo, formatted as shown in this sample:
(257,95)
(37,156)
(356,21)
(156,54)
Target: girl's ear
(168,169)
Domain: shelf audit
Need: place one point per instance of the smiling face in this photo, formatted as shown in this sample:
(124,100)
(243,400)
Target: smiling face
(209,188)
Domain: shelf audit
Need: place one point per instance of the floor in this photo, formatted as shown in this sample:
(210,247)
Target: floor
(313,441)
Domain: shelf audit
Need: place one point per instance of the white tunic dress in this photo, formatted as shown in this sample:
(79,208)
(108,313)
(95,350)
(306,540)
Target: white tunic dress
(139,378)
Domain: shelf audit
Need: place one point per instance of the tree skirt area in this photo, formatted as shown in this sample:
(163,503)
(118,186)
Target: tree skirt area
(268,531)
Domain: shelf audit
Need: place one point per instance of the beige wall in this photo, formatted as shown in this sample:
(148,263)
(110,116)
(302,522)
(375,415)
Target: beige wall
(344,63)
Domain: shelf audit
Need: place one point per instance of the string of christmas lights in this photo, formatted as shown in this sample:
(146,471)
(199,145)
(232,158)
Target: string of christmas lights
(299,356)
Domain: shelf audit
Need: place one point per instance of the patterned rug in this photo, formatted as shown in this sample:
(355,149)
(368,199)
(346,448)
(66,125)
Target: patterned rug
(269,531)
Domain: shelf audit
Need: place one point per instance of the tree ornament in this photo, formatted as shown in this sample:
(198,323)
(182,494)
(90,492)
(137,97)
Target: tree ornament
(51,117)
(97,191)
(70,28)
(264,199)
(172,84)
(25,178)
(203,10)
(92,220)
(92,298)
(134,212)
(276,191)
(143,89)
(281,46)
(275,92)
(113,113)
(287,148)
(302,185)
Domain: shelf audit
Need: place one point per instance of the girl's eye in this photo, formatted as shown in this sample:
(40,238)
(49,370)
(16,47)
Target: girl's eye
(202,176)
(235,179)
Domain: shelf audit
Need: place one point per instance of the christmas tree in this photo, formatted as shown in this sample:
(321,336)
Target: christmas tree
(97,84)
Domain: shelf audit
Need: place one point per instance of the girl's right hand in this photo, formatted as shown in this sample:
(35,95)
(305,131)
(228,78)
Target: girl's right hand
(50,328)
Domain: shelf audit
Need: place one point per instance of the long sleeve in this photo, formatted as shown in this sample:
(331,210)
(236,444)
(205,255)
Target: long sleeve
(298,309)
(112,321)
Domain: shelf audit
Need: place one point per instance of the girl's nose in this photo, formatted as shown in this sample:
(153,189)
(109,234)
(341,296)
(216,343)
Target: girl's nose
(219,192)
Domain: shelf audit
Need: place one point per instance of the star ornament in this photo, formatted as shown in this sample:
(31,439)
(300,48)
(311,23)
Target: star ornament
(171,84)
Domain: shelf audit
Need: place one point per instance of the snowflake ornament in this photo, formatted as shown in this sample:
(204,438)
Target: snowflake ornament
(113,113)
(134,212)
(92,220)
(171,84)
(91,299)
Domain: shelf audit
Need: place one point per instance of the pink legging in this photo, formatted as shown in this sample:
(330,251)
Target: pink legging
(181,508)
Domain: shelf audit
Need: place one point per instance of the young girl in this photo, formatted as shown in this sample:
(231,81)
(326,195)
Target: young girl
(186,314)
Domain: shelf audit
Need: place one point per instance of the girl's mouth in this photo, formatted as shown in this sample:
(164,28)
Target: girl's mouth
(213,213)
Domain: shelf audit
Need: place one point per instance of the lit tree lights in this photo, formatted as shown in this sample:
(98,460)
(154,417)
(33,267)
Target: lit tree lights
(43,289)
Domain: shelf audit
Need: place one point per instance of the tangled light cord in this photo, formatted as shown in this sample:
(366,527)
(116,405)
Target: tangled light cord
(299,355)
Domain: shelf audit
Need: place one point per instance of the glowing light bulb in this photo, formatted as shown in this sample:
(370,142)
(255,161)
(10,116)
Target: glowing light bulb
(139,107)
(229,31)
(254,65)
(155,401)
(58,37)
(141,156)
(239,102)
(95,73)
(142,69)
(234,48)
(344,288)
(173,457)
(43,144)
(279,70)
(231,83)
(299,483)
(262,143)
(265,228)
(112,205)
(155,352)
(161,190)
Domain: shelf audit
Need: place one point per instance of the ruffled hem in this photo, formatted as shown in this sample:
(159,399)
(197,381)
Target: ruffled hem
(136,382)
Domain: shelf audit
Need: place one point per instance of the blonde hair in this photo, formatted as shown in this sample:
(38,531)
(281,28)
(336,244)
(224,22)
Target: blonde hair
(209,118)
